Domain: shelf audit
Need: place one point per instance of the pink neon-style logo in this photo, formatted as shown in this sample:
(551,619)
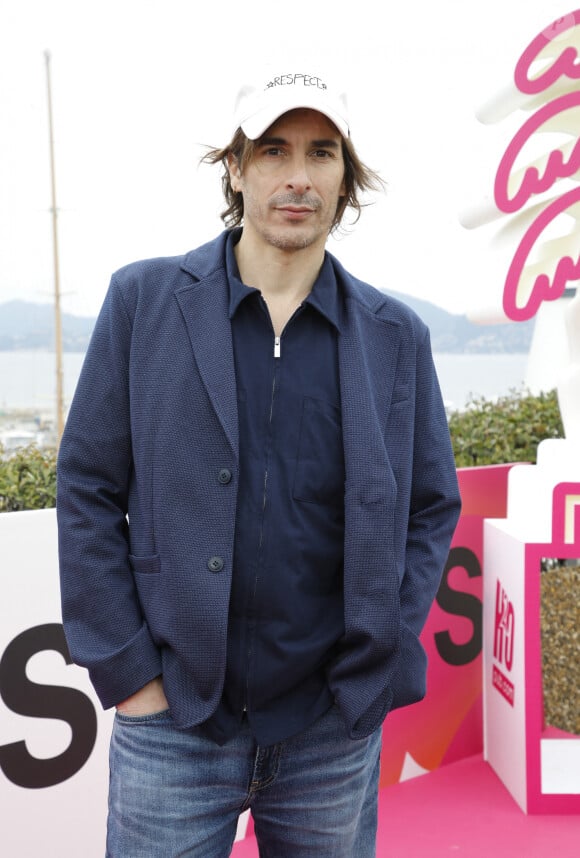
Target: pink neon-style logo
(563,66)
(557,167)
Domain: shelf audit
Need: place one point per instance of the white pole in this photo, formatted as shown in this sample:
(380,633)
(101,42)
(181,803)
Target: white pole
(57,311)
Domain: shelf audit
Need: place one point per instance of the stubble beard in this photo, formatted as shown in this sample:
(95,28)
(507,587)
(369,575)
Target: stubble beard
(291,237)
(289,242)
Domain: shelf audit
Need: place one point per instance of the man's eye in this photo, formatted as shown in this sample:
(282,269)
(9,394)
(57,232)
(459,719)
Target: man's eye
(322,153)
(273,150)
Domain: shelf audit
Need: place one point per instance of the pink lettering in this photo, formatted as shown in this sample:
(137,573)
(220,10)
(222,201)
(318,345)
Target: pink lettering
(500,600)
(503,685)
(556,167)
(509,627)
(503,644)
(563,66)
(543,289)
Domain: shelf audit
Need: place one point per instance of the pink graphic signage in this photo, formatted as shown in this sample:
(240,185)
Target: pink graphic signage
(514,187)
(503,644)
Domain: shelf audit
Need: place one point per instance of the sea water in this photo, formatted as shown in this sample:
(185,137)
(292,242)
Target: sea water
(28,378)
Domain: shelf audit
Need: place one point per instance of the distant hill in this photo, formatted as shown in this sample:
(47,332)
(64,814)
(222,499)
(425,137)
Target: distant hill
(25,325)
(454,333)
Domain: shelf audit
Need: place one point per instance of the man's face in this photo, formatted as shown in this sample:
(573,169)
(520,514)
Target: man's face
(293,183)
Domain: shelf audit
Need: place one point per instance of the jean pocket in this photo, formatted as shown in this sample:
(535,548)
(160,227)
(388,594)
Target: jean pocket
(164,714)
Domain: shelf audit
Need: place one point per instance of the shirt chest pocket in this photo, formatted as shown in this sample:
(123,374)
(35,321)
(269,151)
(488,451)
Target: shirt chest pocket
(319,474)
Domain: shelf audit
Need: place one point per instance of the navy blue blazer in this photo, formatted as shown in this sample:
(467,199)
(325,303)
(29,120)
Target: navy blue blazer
(146,526)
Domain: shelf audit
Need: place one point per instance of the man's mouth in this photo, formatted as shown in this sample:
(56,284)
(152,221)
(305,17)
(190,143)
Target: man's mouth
(295,212)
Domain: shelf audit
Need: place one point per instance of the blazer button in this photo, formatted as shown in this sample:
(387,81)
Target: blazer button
(215,564)
(225,476)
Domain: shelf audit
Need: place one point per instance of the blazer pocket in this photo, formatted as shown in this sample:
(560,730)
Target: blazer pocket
(400,393)
(146,565)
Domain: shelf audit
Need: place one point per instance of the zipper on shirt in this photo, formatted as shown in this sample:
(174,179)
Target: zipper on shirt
(261,536)
(277,354)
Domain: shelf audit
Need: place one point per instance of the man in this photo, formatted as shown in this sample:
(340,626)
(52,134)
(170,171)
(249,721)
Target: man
(256,498)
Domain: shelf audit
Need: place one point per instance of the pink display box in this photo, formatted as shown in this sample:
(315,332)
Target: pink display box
(539,766)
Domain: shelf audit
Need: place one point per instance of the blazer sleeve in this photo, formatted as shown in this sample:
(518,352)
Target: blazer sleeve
(102,618)
(435,502)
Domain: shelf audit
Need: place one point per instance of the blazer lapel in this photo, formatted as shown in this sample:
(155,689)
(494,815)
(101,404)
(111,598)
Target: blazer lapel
(368,351)
(204,306)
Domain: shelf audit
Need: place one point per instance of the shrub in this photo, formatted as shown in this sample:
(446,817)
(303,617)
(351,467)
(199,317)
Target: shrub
(27,479)
(506,430)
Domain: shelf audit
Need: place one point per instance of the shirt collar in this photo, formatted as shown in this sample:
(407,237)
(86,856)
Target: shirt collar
(238,290)
(324,297)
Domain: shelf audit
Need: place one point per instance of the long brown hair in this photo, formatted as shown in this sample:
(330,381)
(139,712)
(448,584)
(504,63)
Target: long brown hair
(358,178)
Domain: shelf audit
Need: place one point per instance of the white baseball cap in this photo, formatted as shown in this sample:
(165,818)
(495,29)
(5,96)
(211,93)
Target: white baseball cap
(261,103)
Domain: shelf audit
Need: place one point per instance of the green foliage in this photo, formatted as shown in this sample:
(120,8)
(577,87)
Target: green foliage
(507,430)
(27,479)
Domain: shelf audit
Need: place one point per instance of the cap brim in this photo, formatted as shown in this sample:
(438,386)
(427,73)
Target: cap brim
(255,125)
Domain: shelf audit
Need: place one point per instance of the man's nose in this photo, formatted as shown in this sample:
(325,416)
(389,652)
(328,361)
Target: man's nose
(299,178)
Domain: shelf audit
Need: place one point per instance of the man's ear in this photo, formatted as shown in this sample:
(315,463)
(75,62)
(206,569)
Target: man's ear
(235,174)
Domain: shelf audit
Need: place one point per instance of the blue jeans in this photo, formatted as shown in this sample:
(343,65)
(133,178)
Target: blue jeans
(173,793)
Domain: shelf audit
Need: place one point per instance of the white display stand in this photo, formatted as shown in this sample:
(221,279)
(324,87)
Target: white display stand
(539,768)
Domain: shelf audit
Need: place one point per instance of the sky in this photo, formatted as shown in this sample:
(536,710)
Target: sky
(139,88)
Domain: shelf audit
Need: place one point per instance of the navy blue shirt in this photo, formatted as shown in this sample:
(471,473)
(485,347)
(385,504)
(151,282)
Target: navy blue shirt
(286,606)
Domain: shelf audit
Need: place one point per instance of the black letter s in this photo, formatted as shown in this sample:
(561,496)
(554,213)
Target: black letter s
(462,605)
(44,701)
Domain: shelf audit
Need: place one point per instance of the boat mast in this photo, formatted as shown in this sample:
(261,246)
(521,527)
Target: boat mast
(57,310)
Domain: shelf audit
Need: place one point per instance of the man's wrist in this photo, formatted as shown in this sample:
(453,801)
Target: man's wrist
(149,699)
